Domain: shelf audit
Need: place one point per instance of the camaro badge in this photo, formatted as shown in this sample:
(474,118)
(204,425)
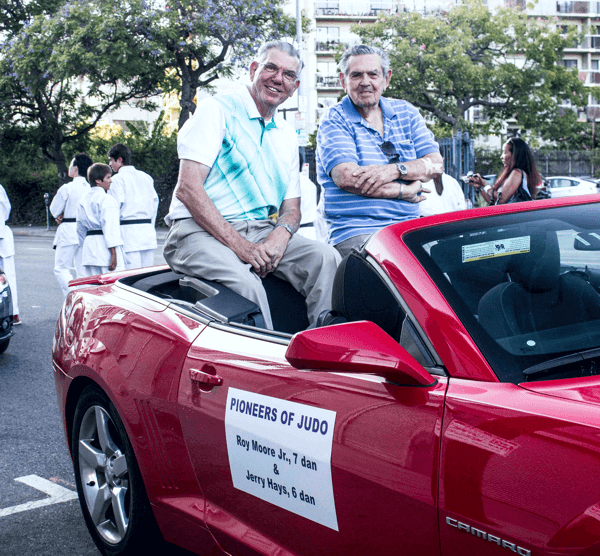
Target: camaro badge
(487,537)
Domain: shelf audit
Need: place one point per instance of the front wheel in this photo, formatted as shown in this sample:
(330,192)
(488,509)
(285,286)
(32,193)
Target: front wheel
(110,487)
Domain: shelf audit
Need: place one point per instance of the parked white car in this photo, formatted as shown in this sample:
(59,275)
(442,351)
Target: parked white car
(564,186)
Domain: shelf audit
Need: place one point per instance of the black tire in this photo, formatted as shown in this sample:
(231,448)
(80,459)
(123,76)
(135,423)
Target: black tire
(4,345)
(110,487)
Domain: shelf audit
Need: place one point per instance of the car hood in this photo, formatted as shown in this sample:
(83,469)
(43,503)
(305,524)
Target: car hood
(585,390)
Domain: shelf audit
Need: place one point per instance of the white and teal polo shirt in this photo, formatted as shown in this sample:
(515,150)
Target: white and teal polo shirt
(254,164)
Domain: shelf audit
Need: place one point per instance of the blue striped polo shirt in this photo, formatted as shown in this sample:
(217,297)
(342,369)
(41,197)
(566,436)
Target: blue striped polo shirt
(344,136)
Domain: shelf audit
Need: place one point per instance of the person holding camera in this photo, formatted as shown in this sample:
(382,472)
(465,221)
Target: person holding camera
(519,179)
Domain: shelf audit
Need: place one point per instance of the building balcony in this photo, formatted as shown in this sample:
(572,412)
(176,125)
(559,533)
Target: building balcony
(329,48)
(326,82)
(591,77)
(591,42)
(577,8)
(349,11)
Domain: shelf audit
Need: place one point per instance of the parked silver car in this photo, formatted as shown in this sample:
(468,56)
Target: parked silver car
(565,186)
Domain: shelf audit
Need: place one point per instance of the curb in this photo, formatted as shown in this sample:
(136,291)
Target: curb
(41,231)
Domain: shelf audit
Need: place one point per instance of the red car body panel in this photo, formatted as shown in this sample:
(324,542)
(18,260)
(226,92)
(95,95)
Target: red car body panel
(461,464)
(370,463)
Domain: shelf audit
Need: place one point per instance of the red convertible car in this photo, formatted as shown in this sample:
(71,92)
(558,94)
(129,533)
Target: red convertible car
(447,405)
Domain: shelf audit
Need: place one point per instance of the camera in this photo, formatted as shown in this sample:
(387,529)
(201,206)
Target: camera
(467,179)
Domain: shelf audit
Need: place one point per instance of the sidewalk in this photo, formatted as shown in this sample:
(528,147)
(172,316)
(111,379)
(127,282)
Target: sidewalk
(41,231)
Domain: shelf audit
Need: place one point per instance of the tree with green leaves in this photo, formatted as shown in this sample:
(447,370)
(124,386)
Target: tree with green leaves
(504,63)
(60,74)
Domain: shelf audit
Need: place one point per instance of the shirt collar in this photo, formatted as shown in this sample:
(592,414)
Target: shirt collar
(353,115)
(253,112)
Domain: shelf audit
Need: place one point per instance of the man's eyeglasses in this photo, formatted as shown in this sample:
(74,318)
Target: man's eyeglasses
(389,150)
(288,75)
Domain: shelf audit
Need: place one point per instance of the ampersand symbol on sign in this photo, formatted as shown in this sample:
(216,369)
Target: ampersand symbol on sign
(275,469)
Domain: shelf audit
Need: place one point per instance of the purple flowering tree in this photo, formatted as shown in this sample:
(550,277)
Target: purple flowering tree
(203,40)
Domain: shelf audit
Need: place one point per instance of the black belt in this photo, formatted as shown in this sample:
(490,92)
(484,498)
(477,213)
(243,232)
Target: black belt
(307,225)
(138,221)
(94,233)
(69,220)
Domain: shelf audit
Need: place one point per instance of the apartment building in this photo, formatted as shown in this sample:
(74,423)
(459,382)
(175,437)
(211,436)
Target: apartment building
(331,29)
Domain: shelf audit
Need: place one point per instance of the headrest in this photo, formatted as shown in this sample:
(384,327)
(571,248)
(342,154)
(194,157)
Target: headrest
(539,271)
(359,293)
(488,249)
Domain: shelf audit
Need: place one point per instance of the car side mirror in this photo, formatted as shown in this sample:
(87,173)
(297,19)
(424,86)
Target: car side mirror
(356,347)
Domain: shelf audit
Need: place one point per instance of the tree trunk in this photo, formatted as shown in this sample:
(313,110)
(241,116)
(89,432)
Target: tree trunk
(58,157)
(186,104)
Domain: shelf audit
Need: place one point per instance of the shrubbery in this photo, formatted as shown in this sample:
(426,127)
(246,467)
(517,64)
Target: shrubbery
(26,176)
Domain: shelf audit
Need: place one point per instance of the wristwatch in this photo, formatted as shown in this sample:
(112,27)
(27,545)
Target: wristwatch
(287,227)
(402,169)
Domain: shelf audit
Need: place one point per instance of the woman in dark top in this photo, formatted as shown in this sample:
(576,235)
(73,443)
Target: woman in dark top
(518,181)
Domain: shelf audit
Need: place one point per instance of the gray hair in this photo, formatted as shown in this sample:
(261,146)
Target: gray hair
(361,50)
(285,47)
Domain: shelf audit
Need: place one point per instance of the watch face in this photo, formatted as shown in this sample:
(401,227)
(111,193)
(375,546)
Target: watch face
(403,169)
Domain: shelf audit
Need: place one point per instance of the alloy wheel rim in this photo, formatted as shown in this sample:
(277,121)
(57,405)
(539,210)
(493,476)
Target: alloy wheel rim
(104,474)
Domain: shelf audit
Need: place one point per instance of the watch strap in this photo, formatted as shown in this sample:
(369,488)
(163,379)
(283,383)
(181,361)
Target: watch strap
(287,227)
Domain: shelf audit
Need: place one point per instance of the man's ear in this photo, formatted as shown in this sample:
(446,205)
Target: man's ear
(253,68)
(343,80)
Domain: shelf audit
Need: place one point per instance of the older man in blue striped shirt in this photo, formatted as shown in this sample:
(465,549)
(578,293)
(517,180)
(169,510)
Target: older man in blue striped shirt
(373,153)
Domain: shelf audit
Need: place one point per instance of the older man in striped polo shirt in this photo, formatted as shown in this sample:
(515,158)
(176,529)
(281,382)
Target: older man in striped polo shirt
(239,165)
(373,153)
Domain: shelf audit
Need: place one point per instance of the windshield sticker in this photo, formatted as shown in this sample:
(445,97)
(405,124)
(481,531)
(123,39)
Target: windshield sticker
(280,452)
(496,248)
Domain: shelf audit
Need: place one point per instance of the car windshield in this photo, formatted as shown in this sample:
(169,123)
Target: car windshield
(525,285)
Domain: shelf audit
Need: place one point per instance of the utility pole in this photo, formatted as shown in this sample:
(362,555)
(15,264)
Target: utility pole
(302,104)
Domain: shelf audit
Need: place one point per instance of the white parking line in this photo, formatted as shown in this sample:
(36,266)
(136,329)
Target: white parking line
(57,495)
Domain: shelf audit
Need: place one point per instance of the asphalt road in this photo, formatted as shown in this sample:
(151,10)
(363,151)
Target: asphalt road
(39,510)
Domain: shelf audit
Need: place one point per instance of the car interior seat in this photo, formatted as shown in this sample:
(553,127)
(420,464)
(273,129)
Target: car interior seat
(539,296)
(470,279)
(359,293)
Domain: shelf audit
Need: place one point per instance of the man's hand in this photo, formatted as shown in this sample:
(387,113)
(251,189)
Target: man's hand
(264,257)
(413,192)
(59,218)
(371,178)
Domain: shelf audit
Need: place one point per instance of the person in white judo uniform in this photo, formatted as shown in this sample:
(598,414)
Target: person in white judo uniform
(98,226)
(7,253)
(138,204)
(64,209)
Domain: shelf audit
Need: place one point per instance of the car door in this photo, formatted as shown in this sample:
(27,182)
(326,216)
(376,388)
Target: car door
(559,187)
(309,462)
(519,470)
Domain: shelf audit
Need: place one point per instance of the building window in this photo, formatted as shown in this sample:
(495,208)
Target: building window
(568,63)
(328,38)
(327,75)
(324,7)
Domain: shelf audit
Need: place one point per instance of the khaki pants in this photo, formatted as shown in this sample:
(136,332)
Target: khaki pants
(309,266)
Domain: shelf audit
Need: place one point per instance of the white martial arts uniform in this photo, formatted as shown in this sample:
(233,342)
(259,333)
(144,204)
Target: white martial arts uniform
(7,249)
(308,207)
(98,211)
(451,199)
(68,255)
(137,199)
